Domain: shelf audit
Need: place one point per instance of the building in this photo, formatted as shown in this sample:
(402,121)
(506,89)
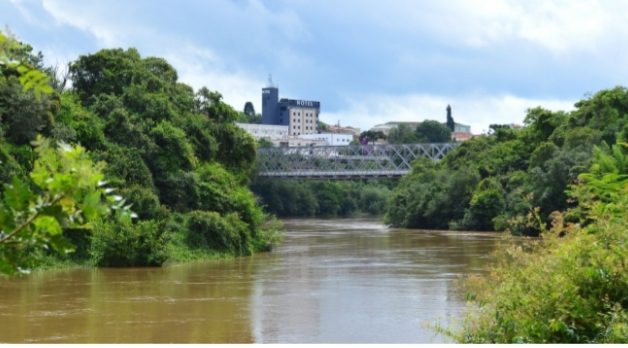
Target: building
(462,132)
(330,139)
(264,131)
(337,129)
(301,116)
(278,135)
(385,128)
(294,122)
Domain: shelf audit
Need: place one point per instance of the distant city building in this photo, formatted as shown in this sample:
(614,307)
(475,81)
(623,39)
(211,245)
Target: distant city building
(462,132)
(330,139)
(299,141)
(264,131)
(278,135)
(461,128)
(388,126)
(337,129)
(301,116)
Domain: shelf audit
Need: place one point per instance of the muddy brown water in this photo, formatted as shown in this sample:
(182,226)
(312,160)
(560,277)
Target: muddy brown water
(331,281)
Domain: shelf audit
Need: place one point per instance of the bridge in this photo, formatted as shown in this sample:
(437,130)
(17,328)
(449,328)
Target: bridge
(346,162)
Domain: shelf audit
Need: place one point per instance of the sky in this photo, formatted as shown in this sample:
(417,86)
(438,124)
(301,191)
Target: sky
(367,61)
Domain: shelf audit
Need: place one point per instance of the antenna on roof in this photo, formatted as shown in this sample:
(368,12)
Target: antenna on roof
(270,80)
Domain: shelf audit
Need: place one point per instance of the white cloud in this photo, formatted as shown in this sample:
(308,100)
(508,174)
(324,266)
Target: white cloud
(479,111)
(196,65)
(25,13)
(560,26)
(200,67)
(86,18)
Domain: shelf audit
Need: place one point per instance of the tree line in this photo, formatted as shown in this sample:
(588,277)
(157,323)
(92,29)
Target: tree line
(513,177)
(323,198)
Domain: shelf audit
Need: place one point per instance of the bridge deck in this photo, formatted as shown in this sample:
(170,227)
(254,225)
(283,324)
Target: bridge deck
(346,162)
(338,175)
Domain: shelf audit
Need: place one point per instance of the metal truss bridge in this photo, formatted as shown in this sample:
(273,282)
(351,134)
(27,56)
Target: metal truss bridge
(346,162)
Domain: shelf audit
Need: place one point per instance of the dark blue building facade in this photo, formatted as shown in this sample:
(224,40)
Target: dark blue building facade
(277,112)
(270,105)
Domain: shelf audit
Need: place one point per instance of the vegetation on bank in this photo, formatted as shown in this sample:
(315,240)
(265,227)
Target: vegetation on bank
(303,198)
(496,182)
(175,155)
(572,286)
(428,131)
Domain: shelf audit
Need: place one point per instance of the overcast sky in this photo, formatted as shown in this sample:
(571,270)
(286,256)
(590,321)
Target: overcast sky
(367,62)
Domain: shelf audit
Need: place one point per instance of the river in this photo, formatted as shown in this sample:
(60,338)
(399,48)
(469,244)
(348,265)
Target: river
(331,281)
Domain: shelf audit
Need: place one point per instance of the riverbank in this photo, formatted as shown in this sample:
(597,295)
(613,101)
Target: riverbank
(177,252)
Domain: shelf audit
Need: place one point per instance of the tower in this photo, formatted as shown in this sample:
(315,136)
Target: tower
(270,103)
(450,120)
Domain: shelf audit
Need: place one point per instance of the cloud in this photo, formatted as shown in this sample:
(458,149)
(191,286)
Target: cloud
(560,26)
(200,67)
(403,59)
(479,111)
(25,13)
(196,63)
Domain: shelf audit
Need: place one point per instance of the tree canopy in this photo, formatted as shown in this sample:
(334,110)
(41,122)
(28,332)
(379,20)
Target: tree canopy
(494,182)
(171,151)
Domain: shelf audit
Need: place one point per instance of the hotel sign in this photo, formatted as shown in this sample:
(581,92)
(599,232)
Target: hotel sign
(302,103)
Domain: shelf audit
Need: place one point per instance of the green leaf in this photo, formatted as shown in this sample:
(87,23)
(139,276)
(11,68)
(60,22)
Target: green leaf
(47,225)
(17,195)
(91,205)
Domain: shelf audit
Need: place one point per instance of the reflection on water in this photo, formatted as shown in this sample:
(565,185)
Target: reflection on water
(332,281)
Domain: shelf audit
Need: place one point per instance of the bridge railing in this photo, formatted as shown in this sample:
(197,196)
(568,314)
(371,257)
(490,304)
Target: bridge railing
(346,161)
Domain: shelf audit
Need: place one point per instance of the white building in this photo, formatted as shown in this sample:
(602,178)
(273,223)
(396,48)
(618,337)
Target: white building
(279,135)
(330,139)
(264,131)
(300,141)
(303,116)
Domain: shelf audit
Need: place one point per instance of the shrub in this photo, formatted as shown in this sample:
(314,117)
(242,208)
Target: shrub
(572,287)
(180,191)
(123,244)
(212,231)
(144,202)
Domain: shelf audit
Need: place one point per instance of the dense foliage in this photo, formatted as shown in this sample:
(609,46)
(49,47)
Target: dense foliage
(496,182)
(173,153)
(572,287)
(291,198)
(65,191)
(428,131)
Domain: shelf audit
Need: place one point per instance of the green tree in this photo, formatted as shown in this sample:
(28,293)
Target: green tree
(433,132)
(402,134)
(372,136)
(249,109)
(486,203)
